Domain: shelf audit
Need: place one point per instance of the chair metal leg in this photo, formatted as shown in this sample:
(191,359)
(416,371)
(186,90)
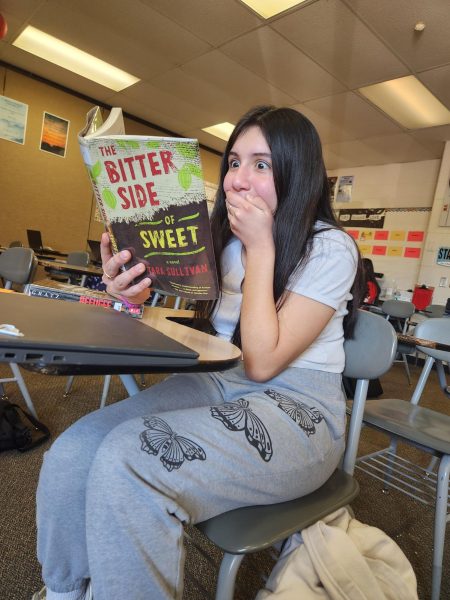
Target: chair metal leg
(405,362)
(106,384)
(68,386)
(440,521)
(23,389)
(130,384)
(227,576)
(422,380)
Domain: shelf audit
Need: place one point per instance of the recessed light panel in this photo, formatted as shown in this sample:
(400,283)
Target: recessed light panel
(71,58)
(408,102)
(270,8)
(221,130)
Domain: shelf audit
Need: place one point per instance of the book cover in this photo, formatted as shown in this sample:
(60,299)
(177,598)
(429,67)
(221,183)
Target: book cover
(48,288)
(151,197)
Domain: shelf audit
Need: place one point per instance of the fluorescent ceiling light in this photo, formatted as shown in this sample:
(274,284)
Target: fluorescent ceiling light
(221,130)
(269,8)
(408,101)
(64,55)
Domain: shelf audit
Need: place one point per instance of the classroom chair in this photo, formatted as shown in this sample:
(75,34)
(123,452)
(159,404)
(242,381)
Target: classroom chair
(17,266)
(423,428)
(255,528)
(78,258)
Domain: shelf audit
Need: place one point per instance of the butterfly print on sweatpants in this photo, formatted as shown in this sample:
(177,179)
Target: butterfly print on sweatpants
(303,415)
(237,416)
(174,448)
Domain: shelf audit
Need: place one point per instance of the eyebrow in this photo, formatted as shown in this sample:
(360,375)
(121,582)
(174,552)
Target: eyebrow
(268,154)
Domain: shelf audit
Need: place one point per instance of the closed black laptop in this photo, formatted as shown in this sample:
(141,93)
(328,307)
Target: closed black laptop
(66,337)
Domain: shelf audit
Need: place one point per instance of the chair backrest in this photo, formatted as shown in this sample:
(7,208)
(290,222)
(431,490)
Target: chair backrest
(78,258)
(17,265)
(368,355)
(16,244)
(398,308)
(436,330)
(435,311)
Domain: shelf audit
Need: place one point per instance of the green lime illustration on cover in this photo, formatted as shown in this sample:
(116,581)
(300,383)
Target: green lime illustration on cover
(152,198)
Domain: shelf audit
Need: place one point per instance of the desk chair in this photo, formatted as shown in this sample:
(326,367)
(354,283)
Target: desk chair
(255,528)
(399,313)
(78,258)
(422,428)
(17,266)
(16,244)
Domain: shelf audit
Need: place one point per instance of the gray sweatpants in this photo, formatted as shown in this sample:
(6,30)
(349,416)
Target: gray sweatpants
(117,486)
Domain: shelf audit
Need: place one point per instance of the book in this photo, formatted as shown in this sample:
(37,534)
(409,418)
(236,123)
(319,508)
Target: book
(151,197)
(48,288)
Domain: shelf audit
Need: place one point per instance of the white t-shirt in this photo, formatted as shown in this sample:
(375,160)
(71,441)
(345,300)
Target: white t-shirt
(327,277)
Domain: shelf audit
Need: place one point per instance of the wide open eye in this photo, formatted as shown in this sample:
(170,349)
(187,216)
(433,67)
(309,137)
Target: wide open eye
(233,163)
(261,165)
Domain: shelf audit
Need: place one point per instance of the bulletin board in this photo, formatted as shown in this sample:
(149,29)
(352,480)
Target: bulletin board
(393,238)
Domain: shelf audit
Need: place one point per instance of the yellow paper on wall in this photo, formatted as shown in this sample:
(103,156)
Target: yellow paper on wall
(394,250)
(397,235)
(366,235)
(365,249)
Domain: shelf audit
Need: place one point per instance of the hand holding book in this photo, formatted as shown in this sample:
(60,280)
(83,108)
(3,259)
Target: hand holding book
(119,283)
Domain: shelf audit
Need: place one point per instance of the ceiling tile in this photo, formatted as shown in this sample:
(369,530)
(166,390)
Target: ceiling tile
(128,35)
(353,114)
(438,82)
(401,147)
(273,58)
(329,32)
(327,128)
(215,22)
(394,22)
(225,74)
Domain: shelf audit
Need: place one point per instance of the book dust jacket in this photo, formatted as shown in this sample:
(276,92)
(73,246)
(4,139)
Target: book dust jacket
(151,197)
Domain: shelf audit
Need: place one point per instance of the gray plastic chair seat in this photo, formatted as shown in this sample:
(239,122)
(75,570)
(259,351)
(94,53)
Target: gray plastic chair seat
(255,528)
(414,423)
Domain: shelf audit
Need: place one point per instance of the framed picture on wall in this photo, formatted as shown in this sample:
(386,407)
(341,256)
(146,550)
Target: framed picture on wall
(54,134)
(13,120)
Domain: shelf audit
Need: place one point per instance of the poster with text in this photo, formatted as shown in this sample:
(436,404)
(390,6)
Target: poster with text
(13,120)
(344,188)
(54,134)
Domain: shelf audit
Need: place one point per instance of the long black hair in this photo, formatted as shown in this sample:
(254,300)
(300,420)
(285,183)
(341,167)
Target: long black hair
(303,197)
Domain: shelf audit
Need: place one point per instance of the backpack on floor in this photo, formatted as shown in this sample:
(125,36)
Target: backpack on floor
(18,429)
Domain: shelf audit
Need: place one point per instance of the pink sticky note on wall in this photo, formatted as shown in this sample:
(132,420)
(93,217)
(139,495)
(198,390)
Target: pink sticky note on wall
(381,235)
(380,250)
(412,252)
(415,236)
(354,233)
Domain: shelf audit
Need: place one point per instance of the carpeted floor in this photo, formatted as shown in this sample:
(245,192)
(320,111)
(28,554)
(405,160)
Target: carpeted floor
(405,520)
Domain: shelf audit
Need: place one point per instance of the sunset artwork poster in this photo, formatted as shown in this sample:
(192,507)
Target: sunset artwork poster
(54,134)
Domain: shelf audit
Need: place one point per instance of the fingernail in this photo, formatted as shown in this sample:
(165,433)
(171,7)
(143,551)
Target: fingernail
(124,254)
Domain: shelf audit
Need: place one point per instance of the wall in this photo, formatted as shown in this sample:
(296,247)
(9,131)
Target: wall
(405,187)
(40,190)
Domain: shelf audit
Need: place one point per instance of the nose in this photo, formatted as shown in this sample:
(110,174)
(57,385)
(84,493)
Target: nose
(240,179)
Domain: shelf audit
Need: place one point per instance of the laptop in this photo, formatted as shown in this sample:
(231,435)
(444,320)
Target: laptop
(35,243)
(96,256)
(72,338)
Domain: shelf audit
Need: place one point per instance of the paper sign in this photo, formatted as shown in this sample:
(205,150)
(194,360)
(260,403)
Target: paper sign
(394,251)
(412,252)
(354,233)
(366,234)
(382,235)
(415,236)
(380,250)
(364,249)
(397,236)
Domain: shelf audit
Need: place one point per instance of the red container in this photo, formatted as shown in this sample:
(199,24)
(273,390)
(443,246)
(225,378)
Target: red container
(422,296)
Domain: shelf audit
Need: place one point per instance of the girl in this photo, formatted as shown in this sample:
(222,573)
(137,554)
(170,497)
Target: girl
(268,430)
(372,288)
